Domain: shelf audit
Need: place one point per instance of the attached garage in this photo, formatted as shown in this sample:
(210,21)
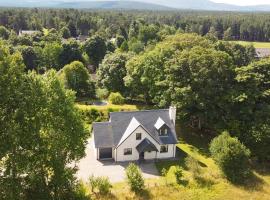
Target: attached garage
(105,153)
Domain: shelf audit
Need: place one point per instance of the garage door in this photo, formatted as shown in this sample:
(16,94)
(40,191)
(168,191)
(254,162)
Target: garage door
(105,153)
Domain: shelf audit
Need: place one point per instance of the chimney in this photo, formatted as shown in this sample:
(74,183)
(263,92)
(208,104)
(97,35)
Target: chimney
(172,113)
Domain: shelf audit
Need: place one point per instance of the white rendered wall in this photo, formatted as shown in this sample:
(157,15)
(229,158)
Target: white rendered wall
(131,142)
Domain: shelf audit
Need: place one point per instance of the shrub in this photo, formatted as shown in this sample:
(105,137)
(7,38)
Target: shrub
(116,98)
(135,178)
(178,173)
(231,156)
(81,192)
(193,165)
(102,93)
(164,173)
(102,184)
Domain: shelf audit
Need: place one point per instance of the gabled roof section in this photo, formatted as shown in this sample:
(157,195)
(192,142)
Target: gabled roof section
(130,129)
(147,118)
(159,123)
(146,145)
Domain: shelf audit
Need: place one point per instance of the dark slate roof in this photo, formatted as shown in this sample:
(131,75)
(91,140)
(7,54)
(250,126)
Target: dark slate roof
(103,136)
(119,122)
(146,145)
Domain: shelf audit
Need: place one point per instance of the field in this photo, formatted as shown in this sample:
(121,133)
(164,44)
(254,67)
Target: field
(255,44)
(209,185)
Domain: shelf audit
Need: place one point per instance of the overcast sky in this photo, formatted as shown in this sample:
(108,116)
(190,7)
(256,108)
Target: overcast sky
(244,2)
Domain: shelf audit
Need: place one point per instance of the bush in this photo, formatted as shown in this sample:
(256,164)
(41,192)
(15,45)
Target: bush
(102,93)
(116,98)
(193,165)
(81,192)
(231,156)
(164,173)
(178,173)
(134,177)
(102,184)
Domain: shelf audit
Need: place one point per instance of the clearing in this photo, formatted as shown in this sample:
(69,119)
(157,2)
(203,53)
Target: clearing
(255,44)
(210,184)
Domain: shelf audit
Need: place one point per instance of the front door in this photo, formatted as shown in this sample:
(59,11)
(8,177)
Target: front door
(142,156)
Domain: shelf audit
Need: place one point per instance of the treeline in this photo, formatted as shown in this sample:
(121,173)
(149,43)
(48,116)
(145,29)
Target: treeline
(215,85)
(225,25)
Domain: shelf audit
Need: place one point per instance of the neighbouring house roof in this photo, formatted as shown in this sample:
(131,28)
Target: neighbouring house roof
(28,32)
(121,125)
(146,145)
(262,52)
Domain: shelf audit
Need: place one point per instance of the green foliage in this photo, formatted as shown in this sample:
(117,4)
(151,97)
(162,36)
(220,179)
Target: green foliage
(102,93)
(100,184)
(41,135)
(134,178)
(4,33)
(29,57)
(81,192)
(71,51)
(148,33)
(178,173)
(51,56)
(77,78)
(231,156)
(116,98)
(112,71)
(95,48)
(135,46)
(65,33)
(119,40)
(241,55)
(228,34)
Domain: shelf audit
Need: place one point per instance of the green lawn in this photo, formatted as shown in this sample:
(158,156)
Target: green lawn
(211,185)
(255,44)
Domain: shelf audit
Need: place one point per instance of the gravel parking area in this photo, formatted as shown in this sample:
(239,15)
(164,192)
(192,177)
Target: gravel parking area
(114,171)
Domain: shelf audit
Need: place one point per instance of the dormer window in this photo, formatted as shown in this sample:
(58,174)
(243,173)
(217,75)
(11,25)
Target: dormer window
(161,127)
(163,131)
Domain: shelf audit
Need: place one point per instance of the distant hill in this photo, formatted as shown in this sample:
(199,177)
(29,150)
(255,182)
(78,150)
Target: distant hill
(133,4)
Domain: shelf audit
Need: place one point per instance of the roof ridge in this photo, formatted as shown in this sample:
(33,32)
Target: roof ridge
(154,110)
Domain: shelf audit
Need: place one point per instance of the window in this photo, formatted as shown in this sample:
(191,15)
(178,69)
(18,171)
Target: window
(128,151)
(138,136)
(164,149)
(163,131)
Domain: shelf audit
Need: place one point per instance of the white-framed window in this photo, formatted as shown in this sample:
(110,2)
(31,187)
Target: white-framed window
(138,136)
(163,148)
(128,151)
(163,131)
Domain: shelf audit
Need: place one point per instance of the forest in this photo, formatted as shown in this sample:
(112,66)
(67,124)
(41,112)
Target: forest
(181,58)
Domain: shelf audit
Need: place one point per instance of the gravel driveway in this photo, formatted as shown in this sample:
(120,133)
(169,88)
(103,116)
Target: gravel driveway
(114,171)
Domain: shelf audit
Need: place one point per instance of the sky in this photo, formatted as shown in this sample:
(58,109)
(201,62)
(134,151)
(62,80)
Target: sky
(243,2)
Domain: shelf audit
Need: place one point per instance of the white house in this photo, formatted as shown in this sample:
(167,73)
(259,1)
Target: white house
(131,136)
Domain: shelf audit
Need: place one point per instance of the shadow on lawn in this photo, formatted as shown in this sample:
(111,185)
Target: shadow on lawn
(252,183)
(199,141)
(144,194)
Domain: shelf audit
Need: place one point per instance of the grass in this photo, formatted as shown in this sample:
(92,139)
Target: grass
(255,44)
(108,106)
(210,185)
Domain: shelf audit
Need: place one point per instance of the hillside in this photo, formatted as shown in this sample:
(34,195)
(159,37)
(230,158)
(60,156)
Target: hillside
(130,4)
